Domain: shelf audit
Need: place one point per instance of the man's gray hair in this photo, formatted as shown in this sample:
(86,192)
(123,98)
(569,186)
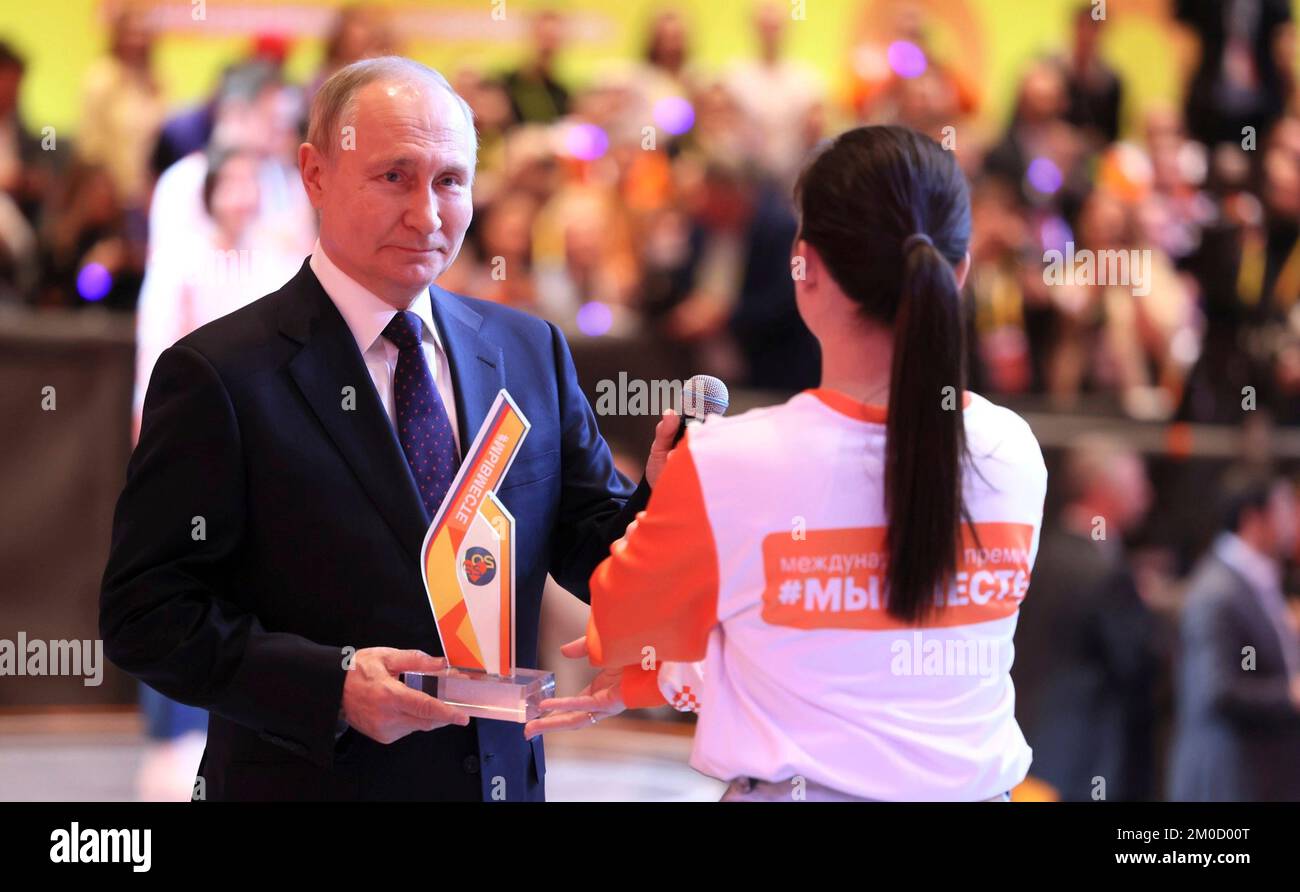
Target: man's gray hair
(335,103)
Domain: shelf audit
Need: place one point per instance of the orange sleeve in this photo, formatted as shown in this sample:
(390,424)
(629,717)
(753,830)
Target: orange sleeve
(659,586)
(640,688)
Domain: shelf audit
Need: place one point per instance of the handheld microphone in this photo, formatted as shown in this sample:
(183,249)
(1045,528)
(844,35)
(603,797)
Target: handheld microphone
(702,396)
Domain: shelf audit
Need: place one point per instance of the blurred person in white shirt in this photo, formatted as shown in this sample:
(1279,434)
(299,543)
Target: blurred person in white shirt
(782,99)
(256,120)
(258,112)
(217,268)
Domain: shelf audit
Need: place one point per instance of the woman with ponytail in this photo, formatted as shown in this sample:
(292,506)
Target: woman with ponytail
(848,566)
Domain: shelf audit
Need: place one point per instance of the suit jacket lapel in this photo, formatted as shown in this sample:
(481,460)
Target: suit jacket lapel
(1250,608)
(328,362)
(477,364)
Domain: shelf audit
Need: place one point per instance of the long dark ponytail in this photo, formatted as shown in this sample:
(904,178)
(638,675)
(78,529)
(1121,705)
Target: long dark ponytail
(888,211)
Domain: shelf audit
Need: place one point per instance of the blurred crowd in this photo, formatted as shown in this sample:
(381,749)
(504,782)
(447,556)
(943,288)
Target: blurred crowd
(653,203)
(1148,670)
(1208,194)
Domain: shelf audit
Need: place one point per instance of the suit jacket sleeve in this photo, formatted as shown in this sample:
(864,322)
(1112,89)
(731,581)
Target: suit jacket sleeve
(169,611)
(1126,631)
(1213,638)
(596,501)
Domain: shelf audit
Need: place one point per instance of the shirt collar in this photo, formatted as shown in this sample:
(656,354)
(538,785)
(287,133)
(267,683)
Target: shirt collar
(1261,572)
(366,314)
(846,405)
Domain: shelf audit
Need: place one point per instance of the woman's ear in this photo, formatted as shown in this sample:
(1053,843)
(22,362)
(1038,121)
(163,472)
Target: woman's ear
(961,270)
(802,268)
(804,274)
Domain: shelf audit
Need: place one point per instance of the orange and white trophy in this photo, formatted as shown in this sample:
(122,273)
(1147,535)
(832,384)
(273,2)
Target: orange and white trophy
(468,565)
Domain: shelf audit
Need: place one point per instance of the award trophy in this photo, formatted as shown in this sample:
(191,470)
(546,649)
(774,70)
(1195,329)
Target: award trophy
(468,565)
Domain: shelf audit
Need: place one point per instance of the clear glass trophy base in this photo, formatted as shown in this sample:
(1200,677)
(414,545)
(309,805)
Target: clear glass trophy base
(507,698)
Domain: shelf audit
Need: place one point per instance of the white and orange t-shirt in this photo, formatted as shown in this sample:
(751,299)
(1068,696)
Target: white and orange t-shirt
(760,555)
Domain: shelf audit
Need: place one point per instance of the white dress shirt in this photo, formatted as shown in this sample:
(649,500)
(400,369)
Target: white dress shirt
(367,315)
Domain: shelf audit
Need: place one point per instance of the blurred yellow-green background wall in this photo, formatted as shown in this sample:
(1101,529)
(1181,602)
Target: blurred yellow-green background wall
(991,39)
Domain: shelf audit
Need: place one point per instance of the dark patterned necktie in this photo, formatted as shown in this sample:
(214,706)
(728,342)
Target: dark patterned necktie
(422,424)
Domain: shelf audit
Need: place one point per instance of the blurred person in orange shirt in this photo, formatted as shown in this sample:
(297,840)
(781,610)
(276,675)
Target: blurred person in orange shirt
(914,86)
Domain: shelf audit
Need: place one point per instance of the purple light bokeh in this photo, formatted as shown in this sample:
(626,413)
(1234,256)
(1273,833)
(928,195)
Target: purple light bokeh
(94,281)
(586,142)
(906,59)
(1054,233)
(594,319)
(674,114)
(1044,176)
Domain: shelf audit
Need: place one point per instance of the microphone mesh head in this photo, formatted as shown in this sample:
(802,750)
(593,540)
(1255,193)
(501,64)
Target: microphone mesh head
(704,395)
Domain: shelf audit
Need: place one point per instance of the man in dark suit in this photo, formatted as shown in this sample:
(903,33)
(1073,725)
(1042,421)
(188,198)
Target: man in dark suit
(1086,645)
(1238,727)
(265,554)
